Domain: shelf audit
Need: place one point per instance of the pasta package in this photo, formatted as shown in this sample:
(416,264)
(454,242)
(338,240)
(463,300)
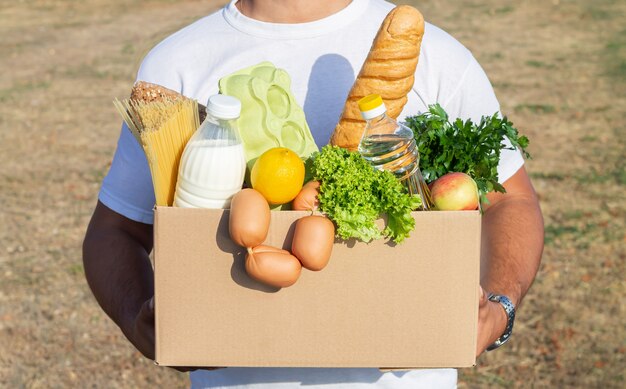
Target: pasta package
(162,127)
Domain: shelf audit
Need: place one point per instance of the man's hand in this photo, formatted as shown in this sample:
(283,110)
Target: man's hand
(492,321)
(142,335)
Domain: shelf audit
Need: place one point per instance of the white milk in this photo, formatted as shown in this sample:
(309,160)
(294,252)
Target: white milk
(211,172)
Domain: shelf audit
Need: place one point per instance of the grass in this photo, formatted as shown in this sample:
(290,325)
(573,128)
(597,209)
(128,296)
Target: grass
(19,88)
(588,138)
(615,55)
(598,109)
(128,48)
(548,176)
(539,64)
(90,71)
(555,233)
(615,174)
(95,175)
(613,234)
(504,10)
(535,108)
(596,13)
(576,214)
(76,269)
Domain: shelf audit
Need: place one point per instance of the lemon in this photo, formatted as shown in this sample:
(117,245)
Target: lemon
(278,175)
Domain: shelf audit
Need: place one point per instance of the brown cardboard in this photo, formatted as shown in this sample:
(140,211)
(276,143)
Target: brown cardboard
(375,305)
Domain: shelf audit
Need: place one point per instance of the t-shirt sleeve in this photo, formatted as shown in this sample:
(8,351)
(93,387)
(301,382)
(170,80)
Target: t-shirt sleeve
(475,98)
(127,188)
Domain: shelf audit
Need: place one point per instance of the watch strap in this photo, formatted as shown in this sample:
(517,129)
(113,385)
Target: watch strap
(509,309)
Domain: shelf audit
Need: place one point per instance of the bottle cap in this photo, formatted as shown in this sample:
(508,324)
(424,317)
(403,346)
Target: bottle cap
(371,106)
(223,107)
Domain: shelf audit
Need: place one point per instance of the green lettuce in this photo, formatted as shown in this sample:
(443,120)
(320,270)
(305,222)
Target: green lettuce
(354,195)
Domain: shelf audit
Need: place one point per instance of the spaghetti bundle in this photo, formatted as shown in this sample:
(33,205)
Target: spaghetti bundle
(163,128)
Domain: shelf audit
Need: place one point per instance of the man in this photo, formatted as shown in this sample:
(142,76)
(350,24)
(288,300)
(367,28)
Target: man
(322,45)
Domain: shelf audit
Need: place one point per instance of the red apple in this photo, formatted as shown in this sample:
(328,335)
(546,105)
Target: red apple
(454,192)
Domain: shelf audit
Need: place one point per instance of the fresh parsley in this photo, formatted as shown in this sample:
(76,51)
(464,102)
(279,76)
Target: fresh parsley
(354,195)
(463,146)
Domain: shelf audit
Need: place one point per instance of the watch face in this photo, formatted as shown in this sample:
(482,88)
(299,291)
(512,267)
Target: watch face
(494,298)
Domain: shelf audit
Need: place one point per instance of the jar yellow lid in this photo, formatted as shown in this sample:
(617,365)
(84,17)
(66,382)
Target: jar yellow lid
(370,102)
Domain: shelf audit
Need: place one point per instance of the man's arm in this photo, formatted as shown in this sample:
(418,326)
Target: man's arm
(512,244)
(118,270)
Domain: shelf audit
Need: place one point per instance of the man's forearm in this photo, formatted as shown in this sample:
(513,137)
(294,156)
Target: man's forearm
(117,266)
(512,245)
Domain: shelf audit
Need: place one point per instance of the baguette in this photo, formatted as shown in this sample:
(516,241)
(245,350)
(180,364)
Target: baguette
(389,71)
(147,92)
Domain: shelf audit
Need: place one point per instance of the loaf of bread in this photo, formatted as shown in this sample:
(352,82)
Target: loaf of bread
(389,71)
(147,92)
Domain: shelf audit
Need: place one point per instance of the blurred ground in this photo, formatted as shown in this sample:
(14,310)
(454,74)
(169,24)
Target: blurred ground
(558,67)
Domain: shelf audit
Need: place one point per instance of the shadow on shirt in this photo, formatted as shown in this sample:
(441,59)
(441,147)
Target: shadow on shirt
(330,82)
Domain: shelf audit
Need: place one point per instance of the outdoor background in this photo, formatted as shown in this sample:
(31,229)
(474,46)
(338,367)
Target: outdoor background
(558,68)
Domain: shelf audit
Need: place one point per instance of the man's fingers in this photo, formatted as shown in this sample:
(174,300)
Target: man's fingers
(143,330)
(185,369)
(147,311)
(482,297)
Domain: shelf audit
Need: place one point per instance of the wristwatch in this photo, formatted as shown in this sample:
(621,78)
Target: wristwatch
(509,308)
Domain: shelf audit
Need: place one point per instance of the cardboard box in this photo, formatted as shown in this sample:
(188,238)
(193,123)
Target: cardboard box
(413,305)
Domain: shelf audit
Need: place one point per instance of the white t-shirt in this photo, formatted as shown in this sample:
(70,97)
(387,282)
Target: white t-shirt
(323,58)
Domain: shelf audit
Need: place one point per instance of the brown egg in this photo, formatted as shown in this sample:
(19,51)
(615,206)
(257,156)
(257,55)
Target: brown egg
(313,241)
(272,266)
(307,200)
(249,218)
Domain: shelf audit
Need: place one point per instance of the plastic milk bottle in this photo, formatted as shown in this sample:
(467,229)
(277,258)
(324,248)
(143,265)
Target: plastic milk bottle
(213,164)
